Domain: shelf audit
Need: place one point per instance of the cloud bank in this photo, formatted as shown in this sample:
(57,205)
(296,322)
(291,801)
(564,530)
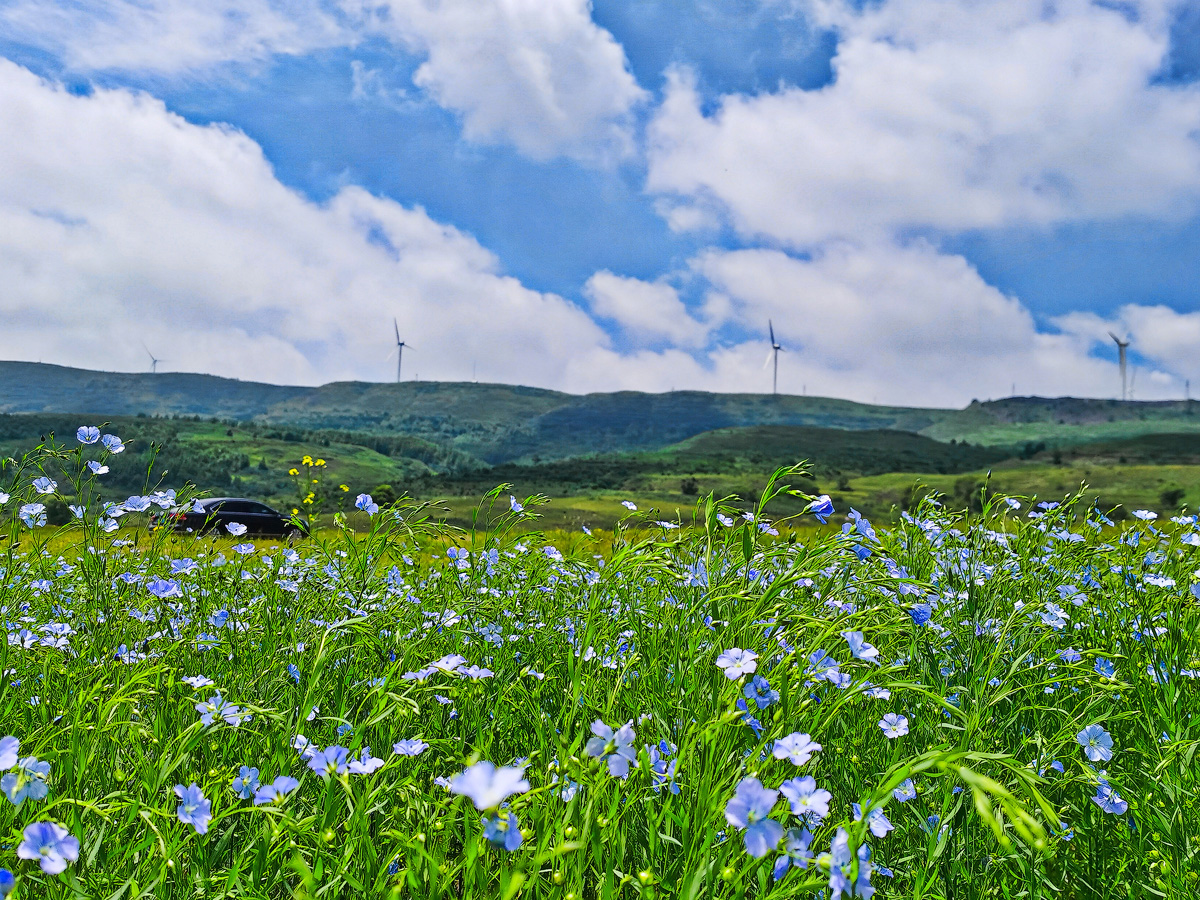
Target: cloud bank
(537,74)
(122,223)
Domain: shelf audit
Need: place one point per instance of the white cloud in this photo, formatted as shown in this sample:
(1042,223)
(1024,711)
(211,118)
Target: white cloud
(1159,335)
(646,311)
(904,325)
(122,223)
(171,36)
(945,114)
(538,74)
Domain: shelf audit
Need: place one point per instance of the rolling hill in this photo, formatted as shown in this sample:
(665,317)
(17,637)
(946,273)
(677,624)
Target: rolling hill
(493,422)
(497,423)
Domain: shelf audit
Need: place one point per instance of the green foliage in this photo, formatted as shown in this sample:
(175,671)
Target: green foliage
(350,640)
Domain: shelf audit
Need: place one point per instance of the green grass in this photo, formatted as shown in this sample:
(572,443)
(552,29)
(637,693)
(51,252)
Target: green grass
(626,628)
(1117,489)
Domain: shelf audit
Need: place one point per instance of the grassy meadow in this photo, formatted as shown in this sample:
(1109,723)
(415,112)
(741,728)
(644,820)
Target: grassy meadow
(1000,705)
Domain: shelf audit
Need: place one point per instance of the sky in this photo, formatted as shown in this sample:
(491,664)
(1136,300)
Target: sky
(933,201)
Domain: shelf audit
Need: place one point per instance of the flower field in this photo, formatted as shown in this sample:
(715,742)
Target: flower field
(1001,706)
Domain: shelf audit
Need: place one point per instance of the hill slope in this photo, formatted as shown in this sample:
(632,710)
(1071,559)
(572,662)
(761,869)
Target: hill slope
(493,422)
(1064,421)
(499,423)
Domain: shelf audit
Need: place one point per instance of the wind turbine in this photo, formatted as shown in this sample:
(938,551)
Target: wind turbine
(773,356)
(153,360)
(1122,346)
(400,345)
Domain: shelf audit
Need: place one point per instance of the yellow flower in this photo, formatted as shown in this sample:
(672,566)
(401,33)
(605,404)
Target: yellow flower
(307,460)
(293,471)
(316,481)
(295,512)
(320,462)
(344,488)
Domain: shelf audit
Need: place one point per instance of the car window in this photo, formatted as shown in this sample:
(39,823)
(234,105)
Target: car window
(260,508)
(235,506)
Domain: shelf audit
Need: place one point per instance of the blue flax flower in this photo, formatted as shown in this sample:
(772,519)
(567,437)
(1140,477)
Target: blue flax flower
(794,852)
(8,883)
(28,782)
(87,434)
(760,691)
(489,786)
(1096,742)
(217,708)
(275,792)
(805,799)
(841,868)
(246,782)
(748,809)
(877,822)
(894,725)
(162,588)
(796,748)
(859,648)
(822,508)
(9,750)
(365,764)
(333,760)
(662,767)
(614,747)
(51,845)
(1109,800)
(503,830)
(194,808)
(409,747)
(736,662)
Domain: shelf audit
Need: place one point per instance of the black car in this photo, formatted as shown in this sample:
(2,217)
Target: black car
(216,513)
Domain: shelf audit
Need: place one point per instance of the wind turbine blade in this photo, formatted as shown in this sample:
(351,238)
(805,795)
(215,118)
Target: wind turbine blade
(1114,337)
(771,329)
(396,325)
(770,356)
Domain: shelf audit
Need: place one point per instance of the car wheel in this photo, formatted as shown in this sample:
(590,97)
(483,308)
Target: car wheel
(293,535)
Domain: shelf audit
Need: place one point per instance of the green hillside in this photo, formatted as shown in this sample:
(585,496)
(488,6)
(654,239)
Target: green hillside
(41,388)
(493,422)
(830,450)
(1063,421)
(458,426)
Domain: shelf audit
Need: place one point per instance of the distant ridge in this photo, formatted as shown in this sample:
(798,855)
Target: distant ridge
(494,422)
(27,387)
(502,423)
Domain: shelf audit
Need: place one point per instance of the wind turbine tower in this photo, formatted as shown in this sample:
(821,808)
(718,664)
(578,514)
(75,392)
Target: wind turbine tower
(1122,346)
(153,360)
(773,357)
(400,345)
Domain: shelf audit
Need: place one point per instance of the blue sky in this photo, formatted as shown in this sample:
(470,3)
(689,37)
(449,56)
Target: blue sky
(696,169)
